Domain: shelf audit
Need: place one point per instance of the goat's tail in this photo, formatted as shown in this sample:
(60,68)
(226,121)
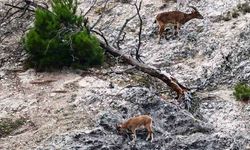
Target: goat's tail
(155,21)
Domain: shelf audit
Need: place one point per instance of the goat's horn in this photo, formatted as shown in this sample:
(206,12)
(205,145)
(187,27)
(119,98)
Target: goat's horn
(193,8)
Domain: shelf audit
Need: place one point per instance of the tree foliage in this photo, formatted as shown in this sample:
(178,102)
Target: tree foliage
(59,39)
(242,91)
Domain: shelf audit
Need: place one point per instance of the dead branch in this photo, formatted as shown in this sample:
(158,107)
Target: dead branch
(42,81)
(137,55)
(41,5)
(22,7)
(19,7)
(7,13)
(99,32)
(101,16)
(118,38)
(106,25)
(59,91)
(90,8)
(177,87)
(181,91)
(99,19)
(16,10)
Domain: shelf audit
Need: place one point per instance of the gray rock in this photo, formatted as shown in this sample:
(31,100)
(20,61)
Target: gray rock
(174,128)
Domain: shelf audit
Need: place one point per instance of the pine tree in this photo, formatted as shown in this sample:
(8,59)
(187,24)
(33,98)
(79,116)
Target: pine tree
(58,39)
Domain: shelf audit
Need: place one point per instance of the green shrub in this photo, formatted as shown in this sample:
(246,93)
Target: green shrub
(8,125)
(242,91)
(58,39)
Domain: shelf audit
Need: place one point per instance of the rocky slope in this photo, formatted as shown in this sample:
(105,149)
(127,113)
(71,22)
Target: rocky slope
(74,109)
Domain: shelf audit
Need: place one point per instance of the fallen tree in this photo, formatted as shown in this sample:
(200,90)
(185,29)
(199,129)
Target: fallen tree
(183,94)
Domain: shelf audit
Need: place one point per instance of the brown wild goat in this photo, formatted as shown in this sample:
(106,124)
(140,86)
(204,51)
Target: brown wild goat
(177,18)
(135,123)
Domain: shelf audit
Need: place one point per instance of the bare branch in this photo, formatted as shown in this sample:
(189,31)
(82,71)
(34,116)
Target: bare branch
(106,25)
(37,5)
(7,13)
(123,37)
(118,40)
(100,34)
(18,7)
(22,6)
(100,17)
(90,8)
(137,55)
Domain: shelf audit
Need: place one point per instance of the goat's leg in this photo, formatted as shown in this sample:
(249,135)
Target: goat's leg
(176,32)
(149,135)
(150,132)
(161,30)
(177,29)
(152,137)
(134,136)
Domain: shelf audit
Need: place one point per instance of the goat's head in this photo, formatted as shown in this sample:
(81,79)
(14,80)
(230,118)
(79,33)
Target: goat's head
(196,13)
(119,128)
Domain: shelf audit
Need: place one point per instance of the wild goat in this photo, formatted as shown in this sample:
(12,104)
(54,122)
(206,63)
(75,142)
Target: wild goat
(177,18)
(135,123)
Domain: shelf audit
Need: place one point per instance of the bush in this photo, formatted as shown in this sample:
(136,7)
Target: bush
(58,39)
(7,126)
(242,91)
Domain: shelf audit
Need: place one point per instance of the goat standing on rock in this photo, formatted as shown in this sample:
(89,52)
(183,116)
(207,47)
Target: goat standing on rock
(135,123)
(177,18)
